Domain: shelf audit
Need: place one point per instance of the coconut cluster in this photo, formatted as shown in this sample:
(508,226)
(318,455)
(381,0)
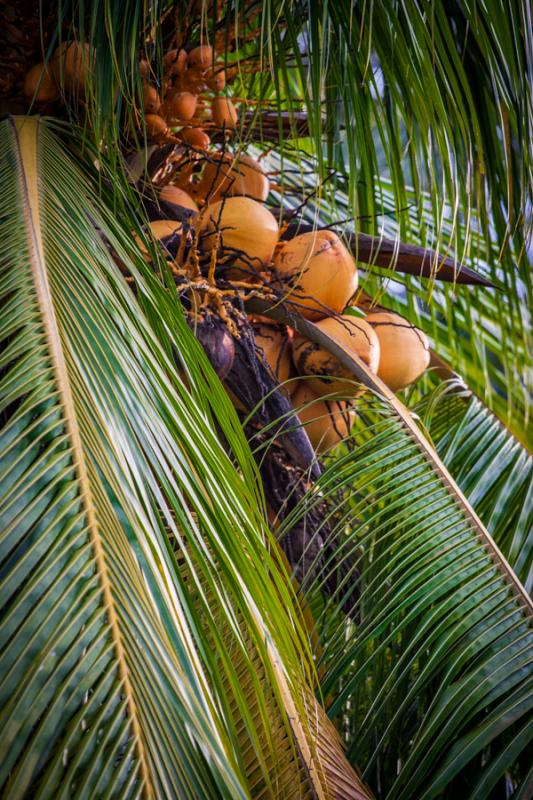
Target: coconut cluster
(224,226)
(69,66)
(318,277)
(190,102)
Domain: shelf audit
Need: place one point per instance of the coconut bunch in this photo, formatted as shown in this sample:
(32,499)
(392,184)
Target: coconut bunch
(69,67)
(236,239)
(188,102)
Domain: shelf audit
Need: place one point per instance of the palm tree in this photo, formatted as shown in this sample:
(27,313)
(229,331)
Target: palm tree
(152,640)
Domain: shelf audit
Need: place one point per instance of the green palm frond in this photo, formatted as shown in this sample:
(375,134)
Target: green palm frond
(83,645)
(492,468)
(115,676)
(433,684)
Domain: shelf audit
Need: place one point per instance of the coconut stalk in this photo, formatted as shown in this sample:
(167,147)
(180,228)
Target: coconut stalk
(407,258)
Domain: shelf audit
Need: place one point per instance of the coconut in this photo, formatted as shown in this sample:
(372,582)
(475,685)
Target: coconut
(317,272)
(404,349)
(216,79)
(228,177)
(244,226)
(144,69)
(272,342)
(167,231)
(326,422)
(155,126)
(175,195)
(224,112)
(355,336)
(72,62)
(196,137)
(39,85)
(175,62)
(150,99)
(181,105)
(200,57)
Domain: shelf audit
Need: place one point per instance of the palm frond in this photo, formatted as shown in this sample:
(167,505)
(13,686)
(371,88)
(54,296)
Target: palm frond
(492,468)
(437,671)
(83,645)
(114,674)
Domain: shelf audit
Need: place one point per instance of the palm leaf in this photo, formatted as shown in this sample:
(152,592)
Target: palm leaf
(107,682)
(437,673)
(492,468)
(74,659)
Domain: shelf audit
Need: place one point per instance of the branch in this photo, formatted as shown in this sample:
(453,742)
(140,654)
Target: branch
(407,258)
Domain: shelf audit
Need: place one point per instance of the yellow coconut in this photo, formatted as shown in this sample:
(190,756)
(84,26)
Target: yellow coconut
(175,62)
(355,336)
(181,105)
(216,79)
(144,69)
(150,99)
(173,194)
(319,274)
(229,177)
(39,85)
(273,344)
(404,349)
(248,234)
(326,422)
(72,62)
(200,57)
(196,137)
(160,228)
(156,126)
(224,112)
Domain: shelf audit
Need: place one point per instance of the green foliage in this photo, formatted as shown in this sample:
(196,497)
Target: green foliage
(431,686)
(493,470)
(115,675)
(139,675)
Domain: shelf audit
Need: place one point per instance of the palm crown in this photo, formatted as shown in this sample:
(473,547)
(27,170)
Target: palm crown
(153,641)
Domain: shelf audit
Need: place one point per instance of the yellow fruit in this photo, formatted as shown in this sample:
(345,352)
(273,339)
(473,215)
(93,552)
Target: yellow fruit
(72,62)
(200,57)
(39,85)
(151,100)
(224,112)
(144,69)
(326,422)
(181,105)
(173,194)
(248,235)
(216,79)
(228,177)
(355,336)
(164,227)
(272,342)
(196,137)
(155,126)
(319,274)
(175,62)
(161,228)
(404,349)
